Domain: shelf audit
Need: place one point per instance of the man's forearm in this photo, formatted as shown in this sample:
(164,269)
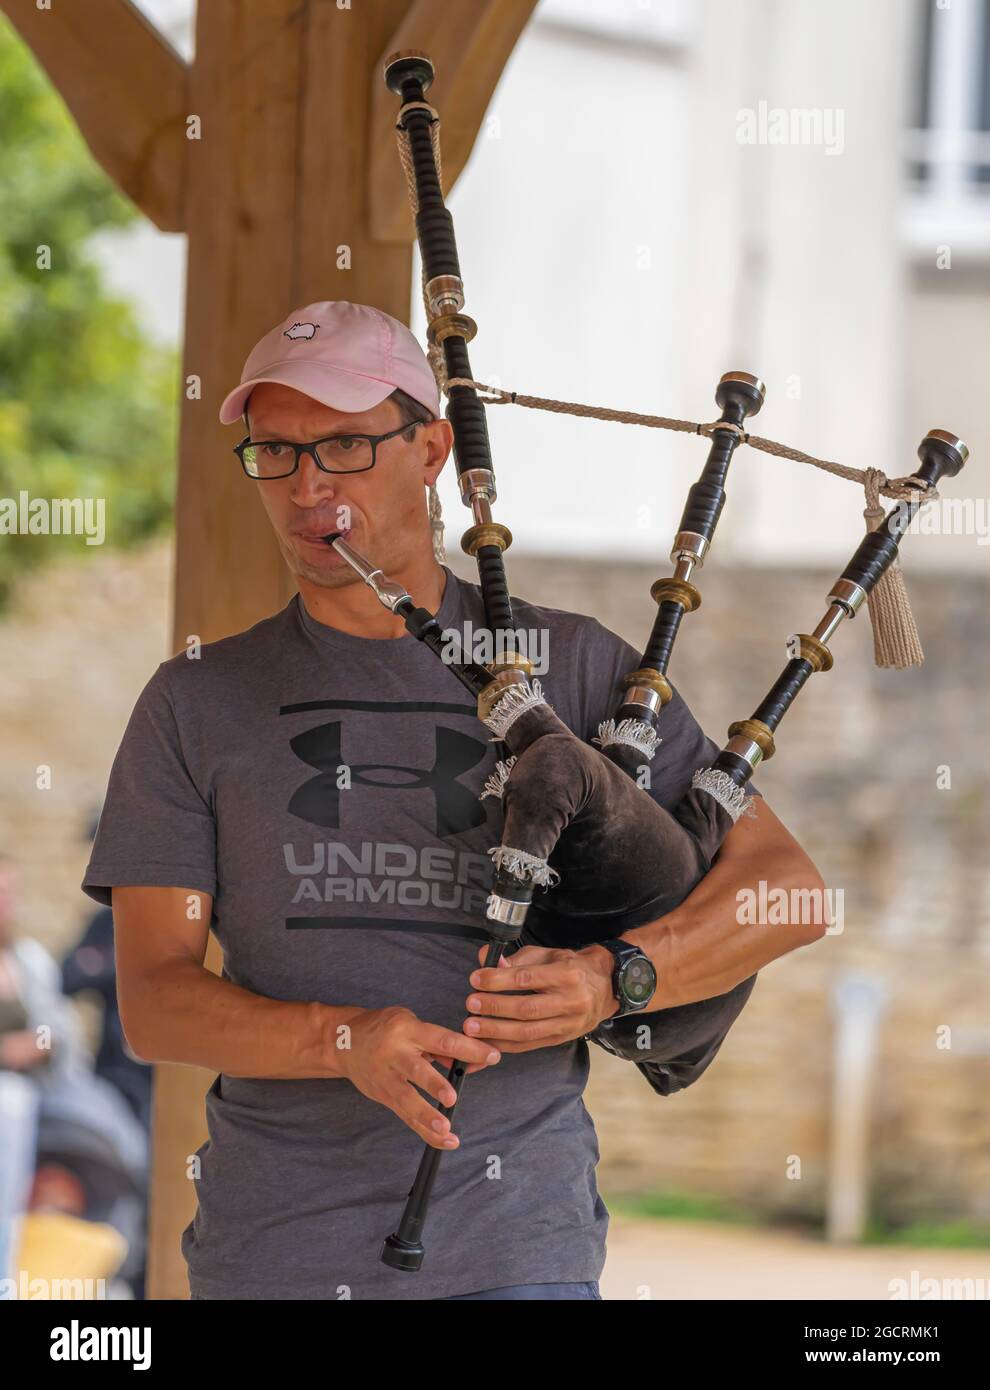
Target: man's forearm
(190,1015)
(705,947)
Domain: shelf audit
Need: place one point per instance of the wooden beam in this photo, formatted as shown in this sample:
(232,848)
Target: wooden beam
(469,42)
(126,88)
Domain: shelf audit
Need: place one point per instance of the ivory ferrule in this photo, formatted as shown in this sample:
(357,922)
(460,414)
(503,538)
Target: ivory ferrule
(745,748)
(849,595)
(506,911)
(643,698)
(477,482)
(689,546)
(753,731)
(445,295)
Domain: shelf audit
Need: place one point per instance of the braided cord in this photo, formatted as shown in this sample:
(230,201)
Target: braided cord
(899,488)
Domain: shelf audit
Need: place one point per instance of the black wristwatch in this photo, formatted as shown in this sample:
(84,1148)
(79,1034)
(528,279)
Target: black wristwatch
(634,978)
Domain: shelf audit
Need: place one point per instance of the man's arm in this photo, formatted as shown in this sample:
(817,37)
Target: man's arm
(700,950)
(705,947)
(174,1009)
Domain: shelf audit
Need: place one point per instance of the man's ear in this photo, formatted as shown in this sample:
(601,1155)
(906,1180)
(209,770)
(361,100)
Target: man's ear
(441,442)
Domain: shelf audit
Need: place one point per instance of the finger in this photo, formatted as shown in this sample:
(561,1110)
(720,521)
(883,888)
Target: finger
(422,1118)
(424,1075)
(504,1031)
(444,1042)
(548,976)
(483,956)
(448,1062)
(532,955)
(547,1004)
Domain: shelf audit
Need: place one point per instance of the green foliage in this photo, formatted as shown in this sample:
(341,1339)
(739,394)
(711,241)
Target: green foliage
(948,1235)
(87,405)
(679,1206)
(689,1206)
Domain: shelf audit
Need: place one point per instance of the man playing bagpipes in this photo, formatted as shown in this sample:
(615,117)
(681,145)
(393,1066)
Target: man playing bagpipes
(314,789)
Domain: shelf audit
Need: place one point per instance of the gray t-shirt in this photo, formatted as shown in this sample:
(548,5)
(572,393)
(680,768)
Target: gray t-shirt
(228,781)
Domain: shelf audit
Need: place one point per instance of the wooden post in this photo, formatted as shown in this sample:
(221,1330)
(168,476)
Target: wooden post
(275,210)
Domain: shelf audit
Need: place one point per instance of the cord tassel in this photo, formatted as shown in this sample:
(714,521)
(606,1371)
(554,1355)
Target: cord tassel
(896,642)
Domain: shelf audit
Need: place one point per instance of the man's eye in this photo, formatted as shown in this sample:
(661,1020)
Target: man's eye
(345,443)
(272,450)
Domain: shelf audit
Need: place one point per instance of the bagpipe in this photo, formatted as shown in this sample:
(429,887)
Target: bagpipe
(577,823)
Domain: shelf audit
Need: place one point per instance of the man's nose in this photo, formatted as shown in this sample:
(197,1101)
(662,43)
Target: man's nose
(310,481)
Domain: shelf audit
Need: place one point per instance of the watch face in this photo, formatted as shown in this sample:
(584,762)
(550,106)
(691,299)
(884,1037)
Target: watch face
(638,980)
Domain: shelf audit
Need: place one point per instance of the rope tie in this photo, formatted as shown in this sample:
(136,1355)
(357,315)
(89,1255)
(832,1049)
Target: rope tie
(900,488)
(895,634)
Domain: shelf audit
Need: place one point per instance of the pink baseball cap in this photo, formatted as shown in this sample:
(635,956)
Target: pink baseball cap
(348,356)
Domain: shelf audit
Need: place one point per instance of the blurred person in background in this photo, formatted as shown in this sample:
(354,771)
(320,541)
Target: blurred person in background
(38,1038)
(58,1120)
(90,965)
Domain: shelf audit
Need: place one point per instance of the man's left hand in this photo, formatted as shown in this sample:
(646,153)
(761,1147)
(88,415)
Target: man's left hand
(565,994)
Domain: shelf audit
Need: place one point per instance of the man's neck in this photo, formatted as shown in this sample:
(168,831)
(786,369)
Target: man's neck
(354,608)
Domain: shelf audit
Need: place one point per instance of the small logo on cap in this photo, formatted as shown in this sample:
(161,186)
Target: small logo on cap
(301,330)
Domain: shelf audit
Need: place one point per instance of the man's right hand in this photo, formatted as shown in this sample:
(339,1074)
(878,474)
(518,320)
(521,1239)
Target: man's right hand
(392,1052)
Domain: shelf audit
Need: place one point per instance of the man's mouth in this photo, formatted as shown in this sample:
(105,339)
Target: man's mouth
(322,538)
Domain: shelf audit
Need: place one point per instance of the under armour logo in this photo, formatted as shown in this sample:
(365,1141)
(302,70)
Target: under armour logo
(456,808)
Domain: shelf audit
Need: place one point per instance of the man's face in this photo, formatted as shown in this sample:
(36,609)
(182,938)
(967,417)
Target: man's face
(383,508)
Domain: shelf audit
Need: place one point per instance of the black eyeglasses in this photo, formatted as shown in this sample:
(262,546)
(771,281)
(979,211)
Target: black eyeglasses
(336,453)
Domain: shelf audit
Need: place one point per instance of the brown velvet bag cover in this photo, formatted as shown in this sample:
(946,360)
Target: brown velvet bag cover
(623,861)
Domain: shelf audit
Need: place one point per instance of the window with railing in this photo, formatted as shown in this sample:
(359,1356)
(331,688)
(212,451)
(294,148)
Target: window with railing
(948,145)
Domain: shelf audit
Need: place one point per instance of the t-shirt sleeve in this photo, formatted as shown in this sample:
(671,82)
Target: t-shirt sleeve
(684,746)
(157,827)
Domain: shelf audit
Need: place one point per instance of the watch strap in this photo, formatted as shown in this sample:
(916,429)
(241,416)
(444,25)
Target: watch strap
(623,951)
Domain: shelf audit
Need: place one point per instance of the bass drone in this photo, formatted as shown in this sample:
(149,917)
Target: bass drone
(576,822)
